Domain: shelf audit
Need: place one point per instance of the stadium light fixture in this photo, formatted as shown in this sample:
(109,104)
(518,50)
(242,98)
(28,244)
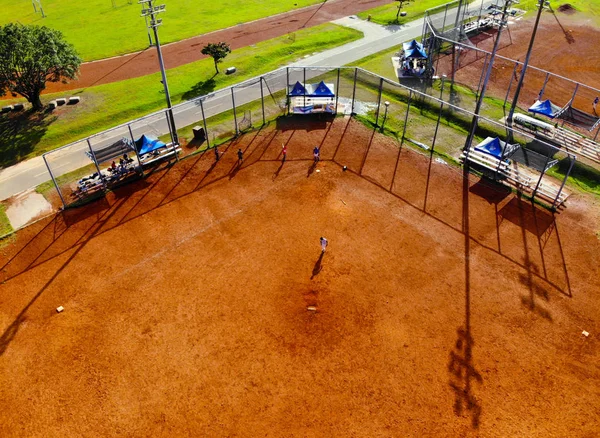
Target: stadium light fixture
(149,11)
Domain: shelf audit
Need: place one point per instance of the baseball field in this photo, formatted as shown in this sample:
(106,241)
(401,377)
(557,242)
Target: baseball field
(197,302)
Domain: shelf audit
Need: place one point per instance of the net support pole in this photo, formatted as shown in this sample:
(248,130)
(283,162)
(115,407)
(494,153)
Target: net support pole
(204,123)
(174,143)
(354,90)
(481,76)
(512,76)
(437,125)
(337,90)
(304,80)
(554,204)
(378,101)
(287,90)
(544,86)
(406,117)
(537,186)
(54,181)
(596,135)
(234,112)
(262,100)
(137,155)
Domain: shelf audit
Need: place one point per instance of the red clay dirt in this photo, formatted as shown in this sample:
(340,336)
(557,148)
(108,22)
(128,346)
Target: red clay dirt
(186,51)
(444,306)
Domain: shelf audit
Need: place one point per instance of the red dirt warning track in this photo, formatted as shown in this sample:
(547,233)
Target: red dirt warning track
(186,300)
(186,51)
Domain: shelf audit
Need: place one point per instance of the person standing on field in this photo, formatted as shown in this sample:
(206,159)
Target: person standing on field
(317,154)
(240,156)
(284,153)
(216,153)
(324,243)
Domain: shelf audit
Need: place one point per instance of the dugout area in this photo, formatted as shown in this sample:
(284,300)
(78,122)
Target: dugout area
(444,306)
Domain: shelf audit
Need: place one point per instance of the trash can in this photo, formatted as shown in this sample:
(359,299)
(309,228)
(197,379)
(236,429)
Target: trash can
(199,133)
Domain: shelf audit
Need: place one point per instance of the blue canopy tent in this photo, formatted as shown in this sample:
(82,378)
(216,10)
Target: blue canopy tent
(312,98)
(412,45)
(545,108)
(145,145)
(322,91)
(416,53)
(298,90)
(496,148)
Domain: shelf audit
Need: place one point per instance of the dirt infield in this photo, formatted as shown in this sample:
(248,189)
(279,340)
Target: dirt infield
(444,306)
(186,51)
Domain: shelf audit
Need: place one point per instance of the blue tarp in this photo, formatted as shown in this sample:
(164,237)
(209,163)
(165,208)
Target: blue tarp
(415,53)
(298,90)
(322,91)
(493,146)
(145,144)
(412,45)
(545,108)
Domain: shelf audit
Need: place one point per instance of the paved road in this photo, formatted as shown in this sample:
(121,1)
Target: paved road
(32,172)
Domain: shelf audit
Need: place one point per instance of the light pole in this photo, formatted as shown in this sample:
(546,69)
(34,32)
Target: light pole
(151,11)
(387,104)
(488,73)
(541,5)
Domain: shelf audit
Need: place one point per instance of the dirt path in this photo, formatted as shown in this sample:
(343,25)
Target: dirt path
(186,51)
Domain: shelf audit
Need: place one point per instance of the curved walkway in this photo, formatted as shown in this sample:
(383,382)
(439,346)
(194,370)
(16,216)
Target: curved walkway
(186,51)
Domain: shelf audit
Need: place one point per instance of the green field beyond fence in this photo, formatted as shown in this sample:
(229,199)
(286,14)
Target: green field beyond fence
(99,30)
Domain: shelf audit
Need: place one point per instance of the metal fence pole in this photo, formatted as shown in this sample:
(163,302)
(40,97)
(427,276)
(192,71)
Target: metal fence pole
(137,155)
(540,179)
(304,79)
(234,112)
(563,183)
(406,117)
(378,101)
(544,86)
(337,90)
(204,123)
(287,90)
(130,132)
(437,125)
(95,160)
(354,90)
(54,181)
(262,100)
(510,83)
(173,142)
(481,76)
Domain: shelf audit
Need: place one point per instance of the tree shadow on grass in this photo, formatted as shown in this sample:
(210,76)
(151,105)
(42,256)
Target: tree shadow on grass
(20,133)
(200,89)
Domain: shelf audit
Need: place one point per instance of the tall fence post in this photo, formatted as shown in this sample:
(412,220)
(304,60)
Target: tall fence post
(137,155)
(204,123)
(354,90)
(554,205)
(437,125)
(481,77)
(304,80)
(54,181)
(406,117)
(262,100)
(234,113)
(378,101)
(96,162)
(510,83)
(287,88)
(337,90)
(173,142)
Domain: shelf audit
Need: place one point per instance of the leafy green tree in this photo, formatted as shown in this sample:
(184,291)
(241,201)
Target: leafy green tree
(30,56)
(400,4)
(217,51)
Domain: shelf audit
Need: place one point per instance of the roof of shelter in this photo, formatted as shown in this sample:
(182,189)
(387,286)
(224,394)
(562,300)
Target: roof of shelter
(112,151)
(313,90)
(495,147)
(412,45)
(146,144)
(546,108)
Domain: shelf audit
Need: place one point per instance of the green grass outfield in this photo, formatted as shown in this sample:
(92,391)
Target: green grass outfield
(97,30)
(105,106)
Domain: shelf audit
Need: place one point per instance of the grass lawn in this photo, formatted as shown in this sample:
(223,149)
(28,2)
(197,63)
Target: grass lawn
(5,226)
(108,105)
(97,30)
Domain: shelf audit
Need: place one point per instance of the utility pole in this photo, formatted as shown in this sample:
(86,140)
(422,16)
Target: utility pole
(151,11)
(541,5)
(488,73)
